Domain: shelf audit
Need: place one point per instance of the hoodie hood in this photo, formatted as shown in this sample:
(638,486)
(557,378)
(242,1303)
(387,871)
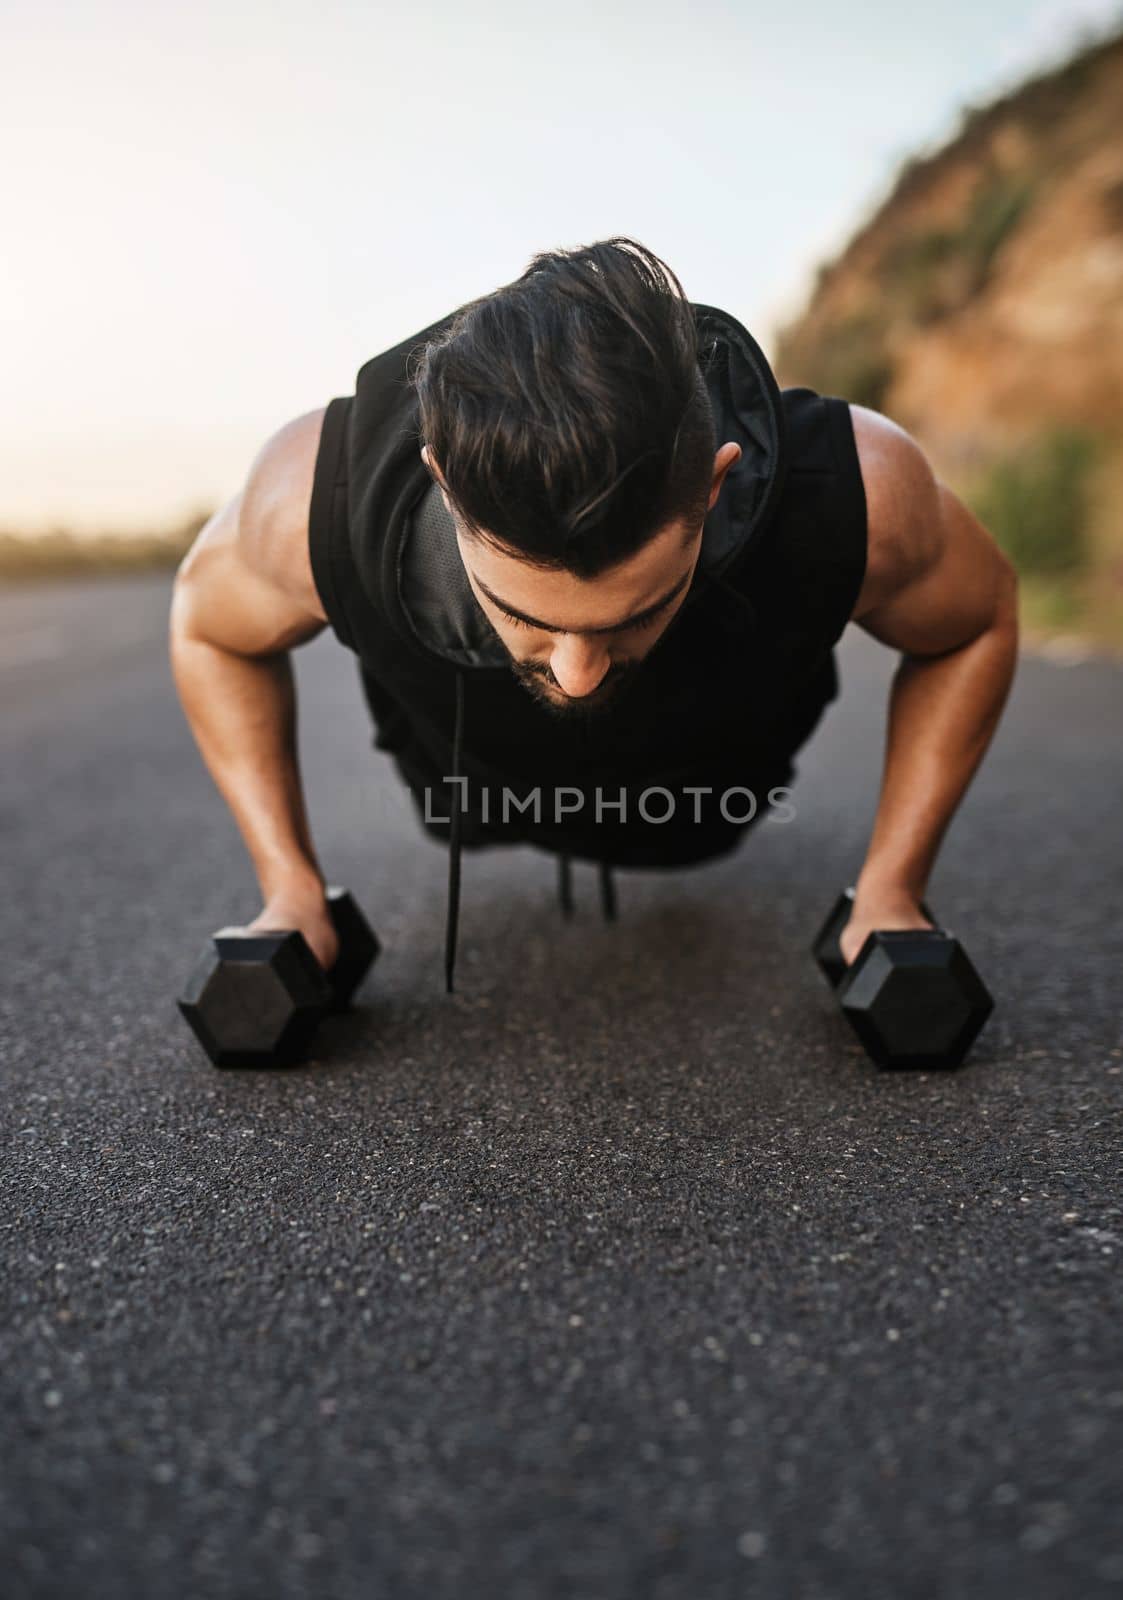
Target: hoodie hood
(433,589)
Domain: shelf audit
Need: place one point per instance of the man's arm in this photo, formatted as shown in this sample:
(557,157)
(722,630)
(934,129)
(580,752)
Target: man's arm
(244,597)
(938,589)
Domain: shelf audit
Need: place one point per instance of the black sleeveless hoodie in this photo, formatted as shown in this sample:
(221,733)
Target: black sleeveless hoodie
(729,692)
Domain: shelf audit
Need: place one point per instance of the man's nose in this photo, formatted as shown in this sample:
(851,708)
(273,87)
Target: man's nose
(579,664)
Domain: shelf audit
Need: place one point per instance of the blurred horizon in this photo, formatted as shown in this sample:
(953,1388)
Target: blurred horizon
(215,218)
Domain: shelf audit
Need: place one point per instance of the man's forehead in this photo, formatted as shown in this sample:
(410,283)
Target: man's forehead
(560,601)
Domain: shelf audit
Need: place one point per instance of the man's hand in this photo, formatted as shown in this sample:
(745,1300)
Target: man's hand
(879,910)
(304,908)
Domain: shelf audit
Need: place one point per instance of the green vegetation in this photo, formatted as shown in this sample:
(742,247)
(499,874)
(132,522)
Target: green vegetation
(998,206)
(854,363)
(932,274)
(924,274)
(63,554)
(1037,502)
(1049,508)
(1050,606)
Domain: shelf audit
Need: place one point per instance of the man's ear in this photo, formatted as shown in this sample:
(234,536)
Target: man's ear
(433,468)
(726,458)
(435,473)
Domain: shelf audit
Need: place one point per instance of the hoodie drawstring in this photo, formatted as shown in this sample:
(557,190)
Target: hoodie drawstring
(452,913)
(565,862)
(565,885)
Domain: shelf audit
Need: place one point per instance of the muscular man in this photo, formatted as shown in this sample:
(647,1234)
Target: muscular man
(593,563)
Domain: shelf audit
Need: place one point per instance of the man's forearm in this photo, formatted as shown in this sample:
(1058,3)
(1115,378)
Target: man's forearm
(943,712)
(242,712)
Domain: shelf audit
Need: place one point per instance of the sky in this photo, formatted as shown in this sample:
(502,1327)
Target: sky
(213,214)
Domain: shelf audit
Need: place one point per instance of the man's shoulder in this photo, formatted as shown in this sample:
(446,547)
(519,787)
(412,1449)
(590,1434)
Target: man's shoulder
(902,505)
(274,518)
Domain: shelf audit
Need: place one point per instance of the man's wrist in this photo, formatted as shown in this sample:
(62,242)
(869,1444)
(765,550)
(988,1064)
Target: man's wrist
(882,882)
(300,880)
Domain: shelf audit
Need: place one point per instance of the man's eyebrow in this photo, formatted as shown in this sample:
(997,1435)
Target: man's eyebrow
(613,627)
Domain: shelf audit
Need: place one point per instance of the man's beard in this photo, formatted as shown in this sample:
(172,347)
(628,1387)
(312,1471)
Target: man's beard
(589,707)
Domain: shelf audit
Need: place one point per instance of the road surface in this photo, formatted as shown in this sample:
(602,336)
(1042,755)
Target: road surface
(621,1273)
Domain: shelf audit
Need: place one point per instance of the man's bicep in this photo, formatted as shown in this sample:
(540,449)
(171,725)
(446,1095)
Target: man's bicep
(246,585)
(935,578)
(223,599)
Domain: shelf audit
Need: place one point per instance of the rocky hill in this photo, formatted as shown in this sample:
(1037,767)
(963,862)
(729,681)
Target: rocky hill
(981,307)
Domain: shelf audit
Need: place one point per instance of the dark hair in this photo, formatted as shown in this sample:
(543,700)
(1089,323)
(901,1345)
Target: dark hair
(567,411)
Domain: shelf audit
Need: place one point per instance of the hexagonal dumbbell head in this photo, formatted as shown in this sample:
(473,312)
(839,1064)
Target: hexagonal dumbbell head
(254,999)
(358,947)
(914,999)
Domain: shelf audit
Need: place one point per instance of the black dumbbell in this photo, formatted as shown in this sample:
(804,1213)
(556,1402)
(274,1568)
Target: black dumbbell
(912,996)
(256,999)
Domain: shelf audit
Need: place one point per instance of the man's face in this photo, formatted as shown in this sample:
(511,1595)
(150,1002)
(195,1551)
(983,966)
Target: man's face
(575,643)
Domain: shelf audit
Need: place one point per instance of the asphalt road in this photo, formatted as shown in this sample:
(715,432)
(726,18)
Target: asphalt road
(620,1273)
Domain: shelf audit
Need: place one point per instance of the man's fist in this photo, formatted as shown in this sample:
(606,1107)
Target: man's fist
(304,909)
(879,911)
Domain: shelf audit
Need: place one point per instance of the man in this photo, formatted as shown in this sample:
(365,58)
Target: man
(593,563)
